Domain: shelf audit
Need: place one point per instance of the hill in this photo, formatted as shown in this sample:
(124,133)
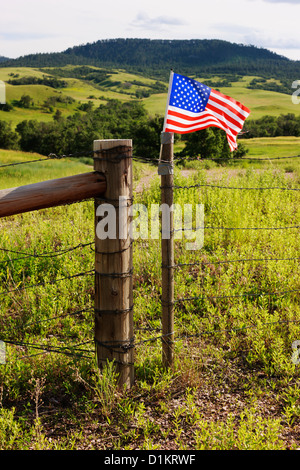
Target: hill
(2,59)
(155,57)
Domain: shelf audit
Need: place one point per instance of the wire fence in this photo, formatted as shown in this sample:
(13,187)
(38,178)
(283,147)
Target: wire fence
(80,350)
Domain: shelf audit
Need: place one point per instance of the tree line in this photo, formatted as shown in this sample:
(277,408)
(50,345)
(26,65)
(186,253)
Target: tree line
(155,58)
(118,120)
(114,120)
(273,126)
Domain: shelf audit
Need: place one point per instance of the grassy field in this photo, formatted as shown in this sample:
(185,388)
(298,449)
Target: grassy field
(123,86)
(234,384)
(260,102)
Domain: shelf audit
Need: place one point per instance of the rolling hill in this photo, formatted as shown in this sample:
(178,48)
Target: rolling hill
(75,88)
(155,58)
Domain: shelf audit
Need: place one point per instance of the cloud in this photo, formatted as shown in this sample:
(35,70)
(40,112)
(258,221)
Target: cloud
(24,36)
(293,2)
(142,20)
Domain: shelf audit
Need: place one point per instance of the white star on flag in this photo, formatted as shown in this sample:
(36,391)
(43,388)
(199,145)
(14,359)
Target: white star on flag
(193,106)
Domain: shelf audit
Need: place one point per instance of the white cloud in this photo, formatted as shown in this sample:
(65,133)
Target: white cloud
(142,20)
(296,2)
(54,25)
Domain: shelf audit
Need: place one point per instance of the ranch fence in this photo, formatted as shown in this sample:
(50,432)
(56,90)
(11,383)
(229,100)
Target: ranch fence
(109,183)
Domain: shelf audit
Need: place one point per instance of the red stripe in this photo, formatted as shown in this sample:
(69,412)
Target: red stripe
(228,119)
(231,142)
(227,106)
(197,128)
(183,116)
(196,118)
(214,103)
(209,117)
(230,100)
(200,121)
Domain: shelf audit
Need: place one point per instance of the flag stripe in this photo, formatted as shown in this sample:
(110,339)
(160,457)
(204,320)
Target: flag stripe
(193,106)
(188,121)
(230,102)
(176,126)
(214,104)
(177,130)
(226,119)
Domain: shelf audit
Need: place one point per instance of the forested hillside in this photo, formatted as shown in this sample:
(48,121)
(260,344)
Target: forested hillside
(156,57)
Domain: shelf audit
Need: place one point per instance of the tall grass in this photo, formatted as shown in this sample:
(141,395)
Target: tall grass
(234,385)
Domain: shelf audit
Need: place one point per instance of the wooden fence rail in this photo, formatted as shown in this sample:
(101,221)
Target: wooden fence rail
(113,301)
(111,184)
(51,193)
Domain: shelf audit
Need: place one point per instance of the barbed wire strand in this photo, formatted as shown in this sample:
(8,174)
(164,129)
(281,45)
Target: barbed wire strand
(232,296)
(216,186)
(182,158)
(51,254)
(43,284)
(242,260)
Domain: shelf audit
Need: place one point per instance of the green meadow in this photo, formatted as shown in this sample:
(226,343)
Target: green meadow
(123,86)
(234,384)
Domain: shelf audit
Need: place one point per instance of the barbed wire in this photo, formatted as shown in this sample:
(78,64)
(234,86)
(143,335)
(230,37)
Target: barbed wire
(43,284)
(86,153)
(51,254)
(231,296)
(242,260)
(216,186)
(208,227)
(182,157)
(67,350)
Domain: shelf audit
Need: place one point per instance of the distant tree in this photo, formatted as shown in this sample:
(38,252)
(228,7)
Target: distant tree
(210,143)
(6,107)
(8,138)
(26,101)
(146,137)
(57,115)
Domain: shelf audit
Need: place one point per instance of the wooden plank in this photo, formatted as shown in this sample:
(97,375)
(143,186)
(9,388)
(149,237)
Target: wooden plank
(51,193)
(167,250)
(113,264)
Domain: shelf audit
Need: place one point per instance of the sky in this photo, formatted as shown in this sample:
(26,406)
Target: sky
(32,26)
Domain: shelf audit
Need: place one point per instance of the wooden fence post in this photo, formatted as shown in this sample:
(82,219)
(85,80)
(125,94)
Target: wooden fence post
(165,169)
(113,260)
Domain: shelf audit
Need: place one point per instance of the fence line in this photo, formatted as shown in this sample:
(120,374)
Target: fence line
(87,153)
(193,186)
(52,254)
(171,266)
(243,260)
(46,283)
(121,346)
(207,227)
(181,158)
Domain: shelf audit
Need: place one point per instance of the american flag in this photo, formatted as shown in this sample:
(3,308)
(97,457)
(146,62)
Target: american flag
(193,106)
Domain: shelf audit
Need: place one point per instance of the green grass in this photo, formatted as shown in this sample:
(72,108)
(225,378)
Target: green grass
(21,175)
(260,102)
(233,386)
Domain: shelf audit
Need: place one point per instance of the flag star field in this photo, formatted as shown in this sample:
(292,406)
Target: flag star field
(189,94)
(193,106)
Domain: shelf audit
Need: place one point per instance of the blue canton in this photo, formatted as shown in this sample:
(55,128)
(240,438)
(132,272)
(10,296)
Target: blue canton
(188,94)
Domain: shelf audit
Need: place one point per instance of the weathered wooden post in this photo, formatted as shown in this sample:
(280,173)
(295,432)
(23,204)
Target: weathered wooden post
(113,260)
(165,169)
